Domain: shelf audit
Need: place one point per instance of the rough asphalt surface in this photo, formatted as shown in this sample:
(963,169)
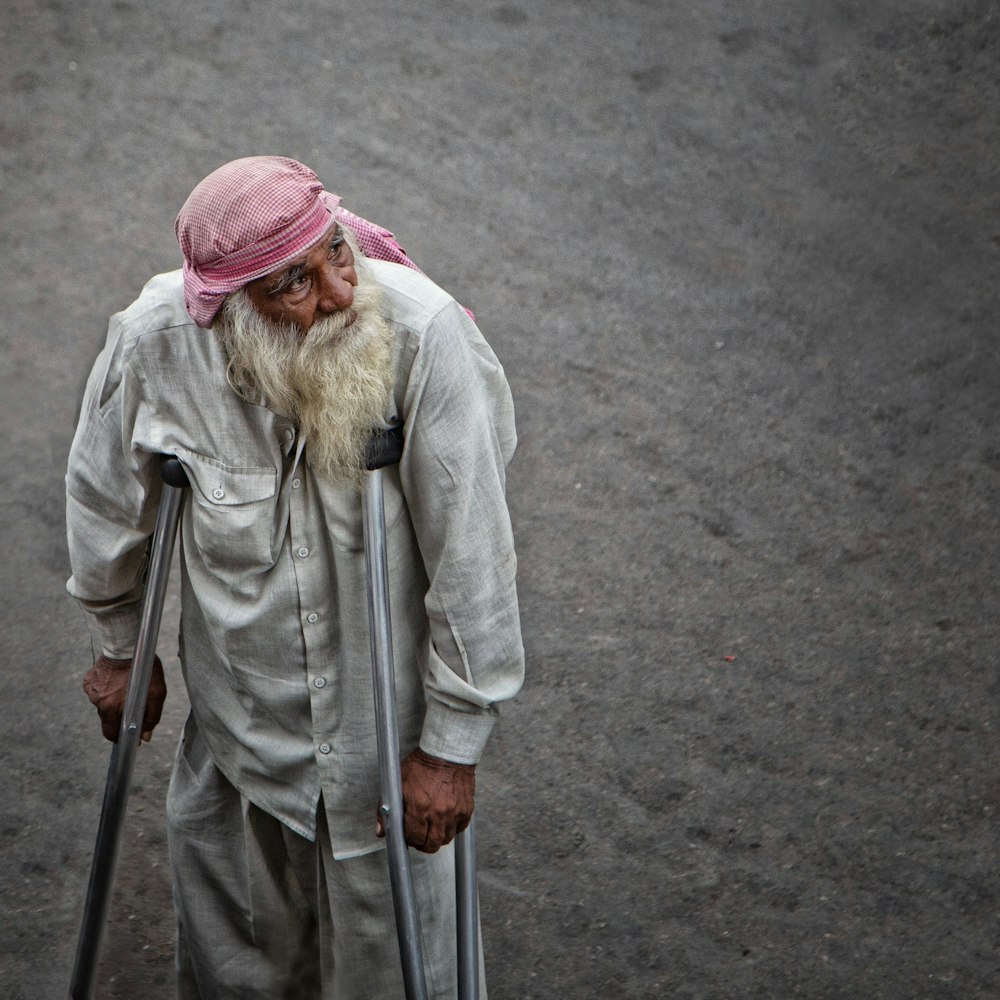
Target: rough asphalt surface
(740,261)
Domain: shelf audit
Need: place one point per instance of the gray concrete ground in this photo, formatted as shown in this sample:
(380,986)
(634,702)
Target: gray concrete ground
(740,260)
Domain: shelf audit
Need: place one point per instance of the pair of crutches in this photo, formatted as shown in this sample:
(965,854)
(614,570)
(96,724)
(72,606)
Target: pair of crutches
(385,450)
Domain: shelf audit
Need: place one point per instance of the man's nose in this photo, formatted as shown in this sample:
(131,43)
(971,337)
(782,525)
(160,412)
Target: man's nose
(337,289)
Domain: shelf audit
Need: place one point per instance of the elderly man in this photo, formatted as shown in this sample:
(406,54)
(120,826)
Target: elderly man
(264,367)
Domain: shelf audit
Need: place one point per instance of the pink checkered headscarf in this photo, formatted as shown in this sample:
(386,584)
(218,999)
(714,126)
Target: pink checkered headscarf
(250,218)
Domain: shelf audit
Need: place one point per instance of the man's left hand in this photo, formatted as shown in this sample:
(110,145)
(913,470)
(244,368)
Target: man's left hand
(106,685)
(438,799)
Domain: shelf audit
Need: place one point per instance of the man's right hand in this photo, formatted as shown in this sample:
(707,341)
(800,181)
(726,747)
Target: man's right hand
(106,684)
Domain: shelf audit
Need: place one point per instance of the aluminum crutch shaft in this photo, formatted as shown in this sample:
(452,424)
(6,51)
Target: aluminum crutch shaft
(467,913)
(117,785)
(390,775)
(386,449)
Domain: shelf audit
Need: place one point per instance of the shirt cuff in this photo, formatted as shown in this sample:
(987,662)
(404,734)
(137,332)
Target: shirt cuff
(459,737)
(117,629)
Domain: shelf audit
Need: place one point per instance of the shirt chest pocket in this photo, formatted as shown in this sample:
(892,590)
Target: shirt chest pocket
(232,512)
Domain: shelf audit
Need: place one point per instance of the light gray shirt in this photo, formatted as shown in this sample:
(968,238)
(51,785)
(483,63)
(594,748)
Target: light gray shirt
(274,620)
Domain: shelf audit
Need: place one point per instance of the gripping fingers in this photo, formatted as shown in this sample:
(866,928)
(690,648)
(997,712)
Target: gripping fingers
(438,800)
(106,685)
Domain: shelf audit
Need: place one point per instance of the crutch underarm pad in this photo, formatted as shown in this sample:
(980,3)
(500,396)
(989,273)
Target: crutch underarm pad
(385,447)
(173,472)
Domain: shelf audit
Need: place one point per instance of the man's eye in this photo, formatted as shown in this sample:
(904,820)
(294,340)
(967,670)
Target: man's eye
(337,249)
(291,283)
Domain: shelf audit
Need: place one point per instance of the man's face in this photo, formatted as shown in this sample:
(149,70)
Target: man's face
(319,283)
(334,381)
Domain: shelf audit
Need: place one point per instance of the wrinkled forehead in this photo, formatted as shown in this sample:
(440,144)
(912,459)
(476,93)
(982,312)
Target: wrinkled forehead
(298,262)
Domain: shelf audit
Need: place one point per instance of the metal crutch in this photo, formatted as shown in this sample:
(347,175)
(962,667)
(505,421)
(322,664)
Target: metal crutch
(386,449)
(116,789)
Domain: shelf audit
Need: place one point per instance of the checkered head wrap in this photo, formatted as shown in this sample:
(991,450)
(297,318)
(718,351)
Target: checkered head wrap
(245,220)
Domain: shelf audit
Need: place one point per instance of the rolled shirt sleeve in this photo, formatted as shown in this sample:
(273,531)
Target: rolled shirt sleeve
(112,492)
(459,438)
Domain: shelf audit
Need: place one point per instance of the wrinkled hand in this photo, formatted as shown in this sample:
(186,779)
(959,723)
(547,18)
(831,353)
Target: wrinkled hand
(438,799)
(106,684)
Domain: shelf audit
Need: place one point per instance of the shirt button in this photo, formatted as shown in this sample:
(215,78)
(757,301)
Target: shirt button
(302,551)
(312,618)
(320,682)
(324,748)
(296,483)
(218,493)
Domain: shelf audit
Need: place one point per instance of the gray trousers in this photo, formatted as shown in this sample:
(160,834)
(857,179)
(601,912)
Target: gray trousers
(264,914)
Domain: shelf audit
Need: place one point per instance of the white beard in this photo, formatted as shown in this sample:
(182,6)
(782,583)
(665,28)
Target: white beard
(334,382)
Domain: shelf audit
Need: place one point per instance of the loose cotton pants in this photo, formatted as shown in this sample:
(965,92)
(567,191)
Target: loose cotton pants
(264,914)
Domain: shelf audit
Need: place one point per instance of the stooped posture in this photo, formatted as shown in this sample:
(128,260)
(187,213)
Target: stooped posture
(264,367)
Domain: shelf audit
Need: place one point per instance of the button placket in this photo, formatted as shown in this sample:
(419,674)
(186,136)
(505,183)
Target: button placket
(305,525)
